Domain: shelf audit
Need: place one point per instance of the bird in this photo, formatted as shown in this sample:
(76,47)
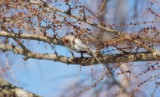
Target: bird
(75,44)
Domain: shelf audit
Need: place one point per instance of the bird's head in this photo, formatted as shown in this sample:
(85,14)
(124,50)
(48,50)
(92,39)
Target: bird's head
(68,38)
(65,41)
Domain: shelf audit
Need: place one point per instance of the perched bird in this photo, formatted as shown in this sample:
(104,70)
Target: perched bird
(76,44)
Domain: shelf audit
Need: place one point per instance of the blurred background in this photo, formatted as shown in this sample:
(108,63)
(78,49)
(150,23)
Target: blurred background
(56,79)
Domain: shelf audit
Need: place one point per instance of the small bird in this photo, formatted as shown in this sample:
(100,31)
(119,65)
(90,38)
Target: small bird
(75,44)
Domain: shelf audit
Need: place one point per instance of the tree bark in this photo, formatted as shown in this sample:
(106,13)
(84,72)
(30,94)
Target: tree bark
(9,90)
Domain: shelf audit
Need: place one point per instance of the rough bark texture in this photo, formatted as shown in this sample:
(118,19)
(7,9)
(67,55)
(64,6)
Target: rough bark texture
(8,90)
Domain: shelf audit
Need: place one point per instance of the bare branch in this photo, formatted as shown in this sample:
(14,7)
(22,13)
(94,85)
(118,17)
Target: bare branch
(32,36)
(9,90)
(86,61)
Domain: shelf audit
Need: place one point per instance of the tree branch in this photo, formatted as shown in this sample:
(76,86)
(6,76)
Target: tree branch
(8,90)
(87,60)
(32,36)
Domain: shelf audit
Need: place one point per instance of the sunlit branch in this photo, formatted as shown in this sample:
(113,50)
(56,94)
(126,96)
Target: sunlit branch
(86,61)
(32,36)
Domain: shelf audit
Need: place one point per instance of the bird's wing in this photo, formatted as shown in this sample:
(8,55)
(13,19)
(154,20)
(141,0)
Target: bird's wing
(80,46)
